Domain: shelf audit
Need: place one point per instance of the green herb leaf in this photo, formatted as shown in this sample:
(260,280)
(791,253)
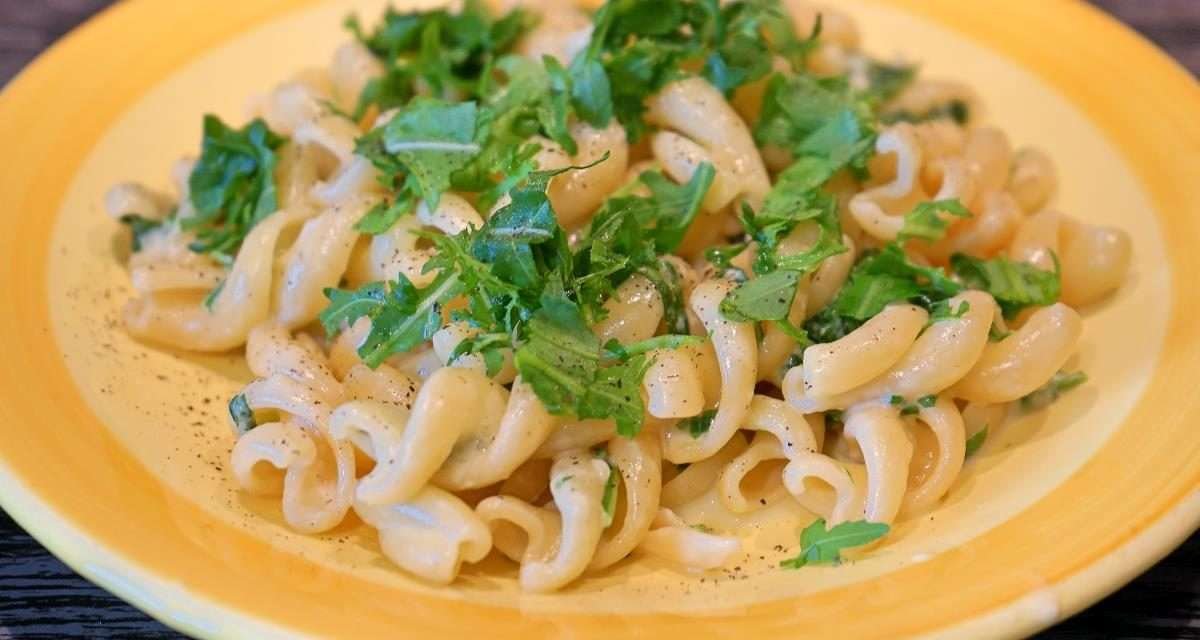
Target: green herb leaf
(1059,384)
(1014,285)
(232,186)
(819,545)
(561,358)
(382,216)
(432,139)
(925,223)
(886,81)
(608,502)
(766,297)
(617,394)
(698,425)
(140,227)
(211,298)
(410,317)
(241,414)
(346,307)
(976,441)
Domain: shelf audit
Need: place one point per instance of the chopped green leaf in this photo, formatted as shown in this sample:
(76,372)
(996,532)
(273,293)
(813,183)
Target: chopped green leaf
(140,227)
(1059,384)
(211,298)
(886,81)
(617,394)
(608,502)
(925,221)
(976,441)
(561,358)
(767,297)
(382,216)
(346,307)
(618,351)
(698,425)
(819,545)
(942,310)
(1014,285)
(241,414)
(232,186)
(432,139)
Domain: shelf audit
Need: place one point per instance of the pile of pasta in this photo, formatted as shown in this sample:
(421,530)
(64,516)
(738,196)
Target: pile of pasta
(450,464)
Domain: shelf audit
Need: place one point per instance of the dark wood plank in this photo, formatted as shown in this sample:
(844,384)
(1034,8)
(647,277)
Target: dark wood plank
(41,598)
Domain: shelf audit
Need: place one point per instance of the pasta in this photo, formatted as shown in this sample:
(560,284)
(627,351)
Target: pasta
(547,295)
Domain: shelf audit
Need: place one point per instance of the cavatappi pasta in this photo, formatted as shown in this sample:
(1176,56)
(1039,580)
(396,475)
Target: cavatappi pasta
(535,292)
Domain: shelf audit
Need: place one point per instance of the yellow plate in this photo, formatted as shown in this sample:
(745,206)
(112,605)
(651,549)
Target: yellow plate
(111,454)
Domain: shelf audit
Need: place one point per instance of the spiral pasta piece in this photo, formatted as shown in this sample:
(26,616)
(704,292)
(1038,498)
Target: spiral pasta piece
(886,449)
(1016,366)
(558,543)
(431,535)
(946,423)
(736,353)
(243,302)
(671,539)
(576,195)
(938,358)
(700,126)
(639,463)
(319,481)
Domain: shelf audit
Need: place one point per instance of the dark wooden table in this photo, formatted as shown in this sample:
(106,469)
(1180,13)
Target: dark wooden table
(42,598)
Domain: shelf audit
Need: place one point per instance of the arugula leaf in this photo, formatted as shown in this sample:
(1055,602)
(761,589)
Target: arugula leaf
(1059,384)
(955,110)
(816,117)
(614,349)
(795,198)
(346,307)
(889,276)
(642,45)
(140,227)
(975,442)
(489,345)
(591,93)
(232,186)
(410,318)
(451,53)
(880,279)
(673,207)
(669,284)
(211,298)
(431,139)
(626,236)
(508,239)
(886,81)
(941,310)
(383,215)
(698,425)
(617,393)
(561,357)
(608,501)
(819,545)
(241,414)
(1014,285)
(402,316)
(925,223)
(767,297)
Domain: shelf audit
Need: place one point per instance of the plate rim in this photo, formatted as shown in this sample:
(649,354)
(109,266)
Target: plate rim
(1159,534)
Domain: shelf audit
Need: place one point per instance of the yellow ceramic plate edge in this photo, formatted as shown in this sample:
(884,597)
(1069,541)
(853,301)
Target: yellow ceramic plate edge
(1121,81)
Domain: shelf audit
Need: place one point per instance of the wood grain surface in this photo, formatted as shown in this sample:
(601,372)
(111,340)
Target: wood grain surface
(41,598)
